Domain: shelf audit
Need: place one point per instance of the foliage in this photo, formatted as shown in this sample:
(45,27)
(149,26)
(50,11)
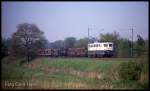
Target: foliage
(140,46)
(27,40)
(113,37)
(59,80)
(83,42)
(92,40)
(109,37)
(130,71)
(57,44)
(124,48)
(140,40)
(11,69)
(69,42)
(4,50)
(5,46)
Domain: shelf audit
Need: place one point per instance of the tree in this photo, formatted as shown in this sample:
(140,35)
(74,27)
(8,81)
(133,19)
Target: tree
(140,40)
(57,44)
(124,47)
(82,43)
(6,44)
(140,46)
(92,40)
(27,40)
(112,37)
(146,49)
(109,37)
(69,42)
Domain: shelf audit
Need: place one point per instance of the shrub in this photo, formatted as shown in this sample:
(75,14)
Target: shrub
(130,71)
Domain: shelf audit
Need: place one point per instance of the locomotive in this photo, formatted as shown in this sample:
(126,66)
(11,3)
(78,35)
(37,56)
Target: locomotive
(96,49)
(101,49)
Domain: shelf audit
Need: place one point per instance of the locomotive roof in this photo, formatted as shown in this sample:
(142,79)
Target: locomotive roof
(101,42)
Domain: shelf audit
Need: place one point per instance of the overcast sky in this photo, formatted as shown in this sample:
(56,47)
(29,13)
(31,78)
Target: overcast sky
(59,20)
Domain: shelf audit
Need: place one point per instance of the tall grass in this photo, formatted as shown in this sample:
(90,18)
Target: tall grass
(83,64)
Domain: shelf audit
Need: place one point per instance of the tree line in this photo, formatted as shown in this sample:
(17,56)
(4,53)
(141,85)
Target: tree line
(122,46)
(29,38)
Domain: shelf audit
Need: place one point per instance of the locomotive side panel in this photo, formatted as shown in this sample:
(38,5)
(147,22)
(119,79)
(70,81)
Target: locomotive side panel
(103,49)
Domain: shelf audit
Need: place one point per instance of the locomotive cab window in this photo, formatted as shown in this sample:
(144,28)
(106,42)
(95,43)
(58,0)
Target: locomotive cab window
(91,45)
(99,45)
(96,45)
(110,45)
(105,45)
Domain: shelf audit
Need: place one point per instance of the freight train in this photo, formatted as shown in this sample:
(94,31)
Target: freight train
(96,49)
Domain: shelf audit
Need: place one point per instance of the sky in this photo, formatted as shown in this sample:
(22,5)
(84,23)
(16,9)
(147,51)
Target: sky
(59,20)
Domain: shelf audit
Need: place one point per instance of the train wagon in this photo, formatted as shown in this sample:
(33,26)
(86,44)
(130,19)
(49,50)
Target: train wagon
(45,52)
(100,49)
(77,52)
(56,52)
(63,52)
(52,52)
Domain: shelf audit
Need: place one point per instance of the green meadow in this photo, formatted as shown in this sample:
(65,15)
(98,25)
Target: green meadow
(69,73)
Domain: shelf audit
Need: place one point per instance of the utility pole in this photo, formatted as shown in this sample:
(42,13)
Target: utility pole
(88,34)
(132,43)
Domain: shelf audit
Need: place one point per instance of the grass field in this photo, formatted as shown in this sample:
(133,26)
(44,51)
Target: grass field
(66,73)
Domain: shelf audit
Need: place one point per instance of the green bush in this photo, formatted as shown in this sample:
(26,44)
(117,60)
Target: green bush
(130,71)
